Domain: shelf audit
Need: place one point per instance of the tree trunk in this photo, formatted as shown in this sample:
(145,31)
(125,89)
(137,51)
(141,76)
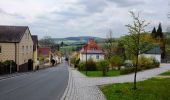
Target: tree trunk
(136,65)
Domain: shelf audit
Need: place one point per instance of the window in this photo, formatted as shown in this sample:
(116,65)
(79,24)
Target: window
(97,56)
(26,35)
(0,49)
(23,49)
(27,48)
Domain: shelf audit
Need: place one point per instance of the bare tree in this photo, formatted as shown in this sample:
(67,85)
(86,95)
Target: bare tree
(109,46)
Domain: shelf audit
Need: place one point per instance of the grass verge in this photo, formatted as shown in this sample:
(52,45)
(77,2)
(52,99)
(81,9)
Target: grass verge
(166,73)
(152,89)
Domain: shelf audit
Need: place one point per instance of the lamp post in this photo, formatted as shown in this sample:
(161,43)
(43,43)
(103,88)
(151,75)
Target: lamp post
(85,48)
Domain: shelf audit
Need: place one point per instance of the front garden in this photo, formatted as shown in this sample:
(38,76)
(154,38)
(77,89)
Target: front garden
(115,66)
(7,67)
(153,89)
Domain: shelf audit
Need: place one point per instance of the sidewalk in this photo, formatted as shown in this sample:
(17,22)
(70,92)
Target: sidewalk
(81,87)
(23,73)
(77,89)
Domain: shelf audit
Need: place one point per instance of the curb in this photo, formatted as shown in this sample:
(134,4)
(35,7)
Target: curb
(3,77)
(70,91)
(13,75)
(68,86)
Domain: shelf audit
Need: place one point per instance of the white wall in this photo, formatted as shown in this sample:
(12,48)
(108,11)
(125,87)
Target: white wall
(156,56)
(91,56)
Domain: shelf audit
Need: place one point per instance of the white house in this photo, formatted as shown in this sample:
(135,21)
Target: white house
(91,51)
(155,53)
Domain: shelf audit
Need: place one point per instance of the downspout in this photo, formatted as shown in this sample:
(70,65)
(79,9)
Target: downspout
(15,53)
(16,56)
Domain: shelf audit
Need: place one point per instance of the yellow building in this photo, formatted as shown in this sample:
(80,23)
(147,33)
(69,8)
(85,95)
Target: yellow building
(35,51)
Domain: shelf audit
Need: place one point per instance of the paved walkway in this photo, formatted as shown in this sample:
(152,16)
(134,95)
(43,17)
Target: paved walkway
(81,87)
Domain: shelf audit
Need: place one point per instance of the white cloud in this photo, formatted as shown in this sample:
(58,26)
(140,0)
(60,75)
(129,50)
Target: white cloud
(62,18)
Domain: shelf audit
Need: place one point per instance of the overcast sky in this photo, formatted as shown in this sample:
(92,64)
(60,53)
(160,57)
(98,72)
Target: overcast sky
(65,18)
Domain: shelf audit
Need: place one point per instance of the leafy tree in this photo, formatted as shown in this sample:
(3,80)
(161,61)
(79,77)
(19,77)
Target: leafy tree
(104,65)
(120,50)
(133,43)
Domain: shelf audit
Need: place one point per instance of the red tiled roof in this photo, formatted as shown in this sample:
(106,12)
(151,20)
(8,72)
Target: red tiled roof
(91,47)
(45,51)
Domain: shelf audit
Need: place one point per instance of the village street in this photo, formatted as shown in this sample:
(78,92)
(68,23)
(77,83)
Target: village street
(46,84)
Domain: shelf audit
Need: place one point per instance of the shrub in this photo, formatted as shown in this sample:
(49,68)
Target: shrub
(127,70)
(91,65)
(77,62)
(143,64)
(116,61)
(73,60)
(104,65)
(41,59)
(81,66)
(46,60)
(128,63)
(5,66)
(147,63)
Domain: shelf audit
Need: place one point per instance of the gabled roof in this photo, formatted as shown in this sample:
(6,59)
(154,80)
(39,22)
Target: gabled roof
(91,48)
(155,50)
(45,51)
(10,34)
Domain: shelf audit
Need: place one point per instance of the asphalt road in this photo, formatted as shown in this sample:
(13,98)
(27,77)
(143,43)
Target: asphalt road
(46,84)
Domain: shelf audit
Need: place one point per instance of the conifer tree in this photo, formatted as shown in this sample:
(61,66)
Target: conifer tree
(162,41)
(159,31)
(153,34)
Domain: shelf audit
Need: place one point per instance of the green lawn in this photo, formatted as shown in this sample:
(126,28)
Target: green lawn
(100,74)
(152,89)
(166,73)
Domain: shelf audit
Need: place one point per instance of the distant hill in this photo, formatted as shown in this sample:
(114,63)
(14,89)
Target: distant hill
(77,40)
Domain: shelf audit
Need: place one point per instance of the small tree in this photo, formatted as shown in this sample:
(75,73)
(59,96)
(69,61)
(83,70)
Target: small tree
(104,65)
(133,44)
(116,61)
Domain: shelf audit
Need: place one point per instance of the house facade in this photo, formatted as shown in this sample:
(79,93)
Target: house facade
(91,51)
(154,53)
(35,51)
(16,44)
(45,54)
